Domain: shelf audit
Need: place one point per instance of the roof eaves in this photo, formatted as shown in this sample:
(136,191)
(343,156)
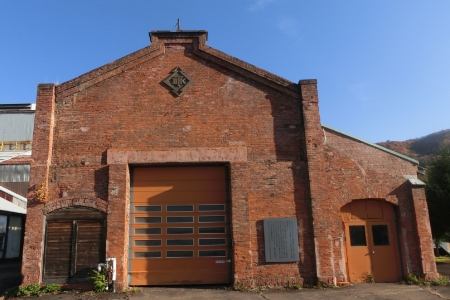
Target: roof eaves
(7,206)
(248,70)
(9,192)
(373,145)
(108,70)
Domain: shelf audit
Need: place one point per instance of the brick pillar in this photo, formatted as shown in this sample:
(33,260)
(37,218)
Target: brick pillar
(317,183)
(242,258)
(41,159)
(118,221)
(424,233)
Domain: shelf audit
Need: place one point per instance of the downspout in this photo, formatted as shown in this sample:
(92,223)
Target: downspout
(110,266)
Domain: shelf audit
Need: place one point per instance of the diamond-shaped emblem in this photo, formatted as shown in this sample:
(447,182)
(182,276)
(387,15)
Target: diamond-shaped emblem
(177,81)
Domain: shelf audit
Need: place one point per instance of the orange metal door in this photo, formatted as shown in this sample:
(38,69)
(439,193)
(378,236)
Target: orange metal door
(371,241)
(358,253)
(383,252)
(179,233)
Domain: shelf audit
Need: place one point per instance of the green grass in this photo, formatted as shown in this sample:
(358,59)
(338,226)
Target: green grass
(442,259)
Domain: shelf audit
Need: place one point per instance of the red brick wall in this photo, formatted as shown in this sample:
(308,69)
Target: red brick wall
(288,173)
(39,173)
(356,170)
(130,109)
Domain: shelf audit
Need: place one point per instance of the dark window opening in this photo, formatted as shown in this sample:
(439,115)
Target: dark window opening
(357,236)
(380,235)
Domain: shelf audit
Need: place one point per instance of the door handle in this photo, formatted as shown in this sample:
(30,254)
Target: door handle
(373,251)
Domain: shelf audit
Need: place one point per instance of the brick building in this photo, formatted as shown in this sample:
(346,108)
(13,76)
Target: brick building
(190,166)
(16,134)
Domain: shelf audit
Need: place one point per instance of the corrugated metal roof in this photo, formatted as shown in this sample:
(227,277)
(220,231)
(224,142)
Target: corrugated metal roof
(5,205)
(16,126)
(14,173)
(373,145)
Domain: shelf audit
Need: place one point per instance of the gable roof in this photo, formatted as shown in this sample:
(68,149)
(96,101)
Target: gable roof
(158,39)
(373,145)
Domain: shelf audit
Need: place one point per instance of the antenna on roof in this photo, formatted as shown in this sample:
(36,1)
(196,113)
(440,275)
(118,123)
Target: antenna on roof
(177,26)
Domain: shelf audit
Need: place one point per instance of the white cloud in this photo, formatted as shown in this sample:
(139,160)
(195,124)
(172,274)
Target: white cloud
(259,4)
(290,27)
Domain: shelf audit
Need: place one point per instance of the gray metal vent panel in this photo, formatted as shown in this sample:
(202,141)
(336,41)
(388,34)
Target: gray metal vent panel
(16,126)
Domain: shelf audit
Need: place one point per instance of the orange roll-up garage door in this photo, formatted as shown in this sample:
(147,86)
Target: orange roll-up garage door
(179,226)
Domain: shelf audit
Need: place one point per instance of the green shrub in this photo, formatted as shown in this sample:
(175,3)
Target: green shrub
(441,280)
(51,288)
(418,279)
(415,278)
(99,279)
(34,289)
(29,290)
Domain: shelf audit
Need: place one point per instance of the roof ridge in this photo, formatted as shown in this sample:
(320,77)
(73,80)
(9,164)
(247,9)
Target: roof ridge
(156,48)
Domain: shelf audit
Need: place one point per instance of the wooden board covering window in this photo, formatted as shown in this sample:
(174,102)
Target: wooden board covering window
(58,251)
(75,244)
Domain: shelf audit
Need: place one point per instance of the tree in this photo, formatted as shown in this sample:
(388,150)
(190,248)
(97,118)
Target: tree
(438,195)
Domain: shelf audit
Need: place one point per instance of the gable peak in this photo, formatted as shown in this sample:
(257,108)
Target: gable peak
(168,36)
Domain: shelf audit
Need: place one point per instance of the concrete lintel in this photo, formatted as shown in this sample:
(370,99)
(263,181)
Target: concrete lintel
(416,182)
(236,155)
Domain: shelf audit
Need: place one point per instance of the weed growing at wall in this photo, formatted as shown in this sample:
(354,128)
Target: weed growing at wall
(100,280)
(130,289)
(34,289)
(418,279)
(441,281)
(51,288)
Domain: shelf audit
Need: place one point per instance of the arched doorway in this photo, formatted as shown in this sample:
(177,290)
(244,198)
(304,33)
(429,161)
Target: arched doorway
(371,241)
(74,244)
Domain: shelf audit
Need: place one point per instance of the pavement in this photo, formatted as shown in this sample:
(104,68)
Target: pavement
(358,291)
(10,276)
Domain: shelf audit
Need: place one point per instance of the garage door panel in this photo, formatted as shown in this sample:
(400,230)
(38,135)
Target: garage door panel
(187,243)
(183,185)
(196,197)
(180,271)
(178,173)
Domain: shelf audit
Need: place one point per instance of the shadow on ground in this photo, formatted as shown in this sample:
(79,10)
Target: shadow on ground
(10,276)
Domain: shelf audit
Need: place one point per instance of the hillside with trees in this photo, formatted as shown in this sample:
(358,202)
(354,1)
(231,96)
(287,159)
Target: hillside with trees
(433,152)
(423,149)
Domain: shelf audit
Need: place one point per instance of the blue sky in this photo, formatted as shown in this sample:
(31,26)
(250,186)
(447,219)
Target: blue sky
(383,66)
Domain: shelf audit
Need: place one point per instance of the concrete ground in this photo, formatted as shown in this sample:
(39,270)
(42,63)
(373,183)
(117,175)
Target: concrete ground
(10,276)
(375,291)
